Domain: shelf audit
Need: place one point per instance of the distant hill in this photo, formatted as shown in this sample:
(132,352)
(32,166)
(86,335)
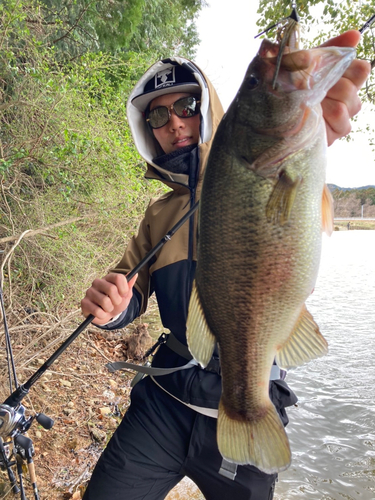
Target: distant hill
(332,188)
(348,202)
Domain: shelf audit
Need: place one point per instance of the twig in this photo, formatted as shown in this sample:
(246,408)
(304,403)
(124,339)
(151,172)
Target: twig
(7,205)
(75,25)
(99,351)
(79,480)
(33,232)
(9,254)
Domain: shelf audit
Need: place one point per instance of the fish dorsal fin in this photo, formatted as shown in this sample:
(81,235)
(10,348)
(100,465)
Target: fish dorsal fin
(305,343)
(327,211)
(281,200)
(201,341)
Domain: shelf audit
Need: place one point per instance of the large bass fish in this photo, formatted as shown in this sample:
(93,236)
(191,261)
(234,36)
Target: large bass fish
(263,206)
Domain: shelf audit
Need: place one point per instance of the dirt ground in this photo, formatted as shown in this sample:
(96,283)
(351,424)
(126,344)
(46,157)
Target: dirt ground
(87,403)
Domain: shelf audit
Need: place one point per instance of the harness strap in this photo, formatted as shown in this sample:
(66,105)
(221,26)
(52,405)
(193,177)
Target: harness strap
(179,348)
(175,345)
(148,370)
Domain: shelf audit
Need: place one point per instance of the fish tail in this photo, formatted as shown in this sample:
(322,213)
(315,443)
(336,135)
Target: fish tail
(262,442)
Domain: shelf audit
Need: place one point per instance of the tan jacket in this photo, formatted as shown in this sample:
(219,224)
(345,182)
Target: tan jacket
(163,213)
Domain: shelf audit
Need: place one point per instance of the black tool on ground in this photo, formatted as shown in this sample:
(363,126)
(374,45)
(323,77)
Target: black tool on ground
(15,448)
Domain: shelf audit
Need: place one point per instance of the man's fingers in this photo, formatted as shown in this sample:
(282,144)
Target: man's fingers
(131,283)
(342,101)
(121,282)
(358,72)
(337,119)
(103,292)
(345,93)
(350,38)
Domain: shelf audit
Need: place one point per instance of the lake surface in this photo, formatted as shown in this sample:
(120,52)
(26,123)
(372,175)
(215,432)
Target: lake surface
(332,430)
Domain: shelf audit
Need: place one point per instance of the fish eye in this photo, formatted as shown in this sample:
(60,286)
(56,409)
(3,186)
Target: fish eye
(252,82)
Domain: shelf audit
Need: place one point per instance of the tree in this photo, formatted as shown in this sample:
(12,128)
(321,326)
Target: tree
(168,27)
(68,167)
(162,26)
(321,20)
(79,26)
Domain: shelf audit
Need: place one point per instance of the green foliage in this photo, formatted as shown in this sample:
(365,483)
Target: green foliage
(161,26)
(68,167)
(366,195)
(321,20)
(78,26)
(168,28)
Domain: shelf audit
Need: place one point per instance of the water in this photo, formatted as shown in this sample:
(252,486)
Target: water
(332,431)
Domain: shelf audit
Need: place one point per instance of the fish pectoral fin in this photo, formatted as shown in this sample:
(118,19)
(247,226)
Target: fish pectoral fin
(327,211)
(200,339)
(262,442)
(305,343)
(281,200)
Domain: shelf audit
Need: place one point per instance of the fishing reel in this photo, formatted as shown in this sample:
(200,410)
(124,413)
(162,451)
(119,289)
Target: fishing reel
(16,448)
(13,421)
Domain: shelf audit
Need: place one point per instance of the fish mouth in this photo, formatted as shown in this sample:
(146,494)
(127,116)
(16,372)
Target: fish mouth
(286,70)
(288,41)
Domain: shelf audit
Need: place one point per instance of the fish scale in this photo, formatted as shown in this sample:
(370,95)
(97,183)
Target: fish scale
(262,208)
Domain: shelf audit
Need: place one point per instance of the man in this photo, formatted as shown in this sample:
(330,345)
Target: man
(169,430)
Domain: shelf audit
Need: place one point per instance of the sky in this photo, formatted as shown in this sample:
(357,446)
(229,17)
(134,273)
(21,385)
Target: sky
(227,29)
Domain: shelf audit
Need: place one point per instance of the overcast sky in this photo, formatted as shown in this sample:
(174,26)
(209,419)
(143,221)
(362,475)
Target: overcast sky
(227,29)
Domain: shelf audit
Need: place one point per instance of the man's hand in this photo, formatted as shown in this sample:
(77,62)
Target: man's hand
(107,297)
(342,102)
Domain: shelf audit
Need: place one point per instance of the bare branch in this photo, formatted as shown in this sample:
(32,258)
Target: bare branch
(29,232)
(75,25)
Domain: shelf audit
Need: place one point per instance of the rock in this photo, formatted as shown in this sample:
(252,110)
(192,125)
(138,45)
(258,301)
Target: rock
(65,383)
(138,342)
(112,423)
(105,411)
(98,435)
(68,411)
(113,384)
(109,395)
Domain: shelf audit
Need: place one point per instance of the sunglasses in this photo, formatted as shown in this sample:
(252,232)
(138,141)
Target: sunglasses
(186,107)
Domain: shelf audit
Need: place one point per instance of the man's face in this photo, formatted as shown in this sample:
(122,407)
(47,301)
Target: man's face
(178,132)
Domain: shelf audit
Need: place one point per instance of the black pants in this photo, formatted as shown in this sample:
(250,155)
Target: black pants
(158,442)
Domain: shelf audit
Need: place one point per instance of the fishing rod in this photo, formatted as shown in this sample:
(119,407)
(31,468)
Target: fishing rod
(295,17)
(22,390)
(367,24)
(292,16)
(15,448)
(13,423)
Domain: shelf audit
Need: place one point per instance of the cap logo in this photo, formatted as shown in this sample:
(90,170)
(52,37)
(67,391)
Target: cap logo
(165,78)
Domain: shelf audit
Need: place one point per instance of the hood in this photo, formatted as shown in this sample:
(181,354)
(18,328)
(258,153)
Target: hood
(147,146)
